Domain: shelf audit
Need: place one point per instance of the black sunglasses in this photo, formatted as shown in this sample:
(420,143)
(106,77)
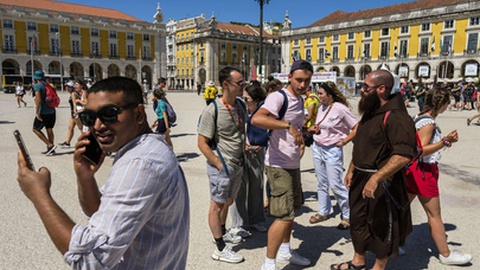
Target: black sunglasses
(108,115)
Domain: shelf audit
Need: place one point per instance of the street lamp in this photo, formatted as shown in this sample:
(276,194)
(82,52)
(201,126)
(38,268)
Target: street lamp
(59,51)
(261,3)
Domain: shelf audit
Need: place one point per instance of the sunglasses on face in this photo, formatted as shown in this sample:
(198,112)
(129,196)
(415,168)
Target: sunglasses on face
(108,115)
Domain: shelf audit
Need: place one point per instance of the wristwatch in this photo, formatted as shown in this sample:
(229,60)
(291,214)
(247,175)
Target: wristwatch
(289,125)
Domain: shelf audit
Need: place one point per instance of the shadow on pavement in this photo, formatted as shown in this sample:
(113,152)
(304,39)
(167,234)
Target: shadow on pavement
(186,156)
(182,135)
(7,122)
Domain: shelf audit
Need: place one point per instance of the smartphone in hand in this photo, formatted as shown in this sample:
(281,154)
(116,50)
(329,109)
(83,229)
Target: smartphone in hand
(23,149)
(93,151)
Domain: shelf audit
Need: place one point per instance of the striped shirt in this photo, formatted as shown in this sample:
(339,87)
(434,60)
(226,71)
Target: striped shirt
(144,218)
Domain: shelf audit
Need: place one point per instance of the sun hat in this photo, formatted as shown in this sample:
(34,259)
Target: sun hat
(39,75)
(211,83)
(70,83)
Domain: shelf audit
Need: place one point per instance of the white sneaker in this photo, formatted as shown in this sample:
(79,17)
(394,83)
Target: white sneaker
(239,231)
(230,238)
(272,267)
(227,255)
(293,258)
(456,257)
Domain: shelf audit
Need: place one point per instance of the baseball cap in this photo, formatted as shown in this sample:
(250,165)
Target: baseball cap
(70,83)
(301,64)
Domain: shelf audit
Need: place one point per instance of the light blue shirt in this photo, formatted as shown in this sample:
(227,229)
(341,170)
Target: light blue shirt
(143,220)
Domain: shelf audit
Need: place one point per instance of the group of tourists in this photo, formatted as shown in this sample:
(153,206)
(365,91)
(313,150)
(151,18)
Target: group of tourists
(140,219)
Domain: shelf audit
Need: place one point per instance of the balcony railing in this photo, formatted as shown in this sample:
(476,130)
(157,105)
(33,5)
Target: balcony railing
(129,57)
(8,50)
(147,58)
(470,52)
(113,56)
(35,52)
(54,53)
(95,55)
(423,54)
(76,54)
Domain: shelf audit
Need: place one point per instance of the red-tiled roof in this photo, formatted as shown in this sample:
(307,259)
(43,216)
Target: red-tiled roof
(241,29)
(70,8)
(341,16)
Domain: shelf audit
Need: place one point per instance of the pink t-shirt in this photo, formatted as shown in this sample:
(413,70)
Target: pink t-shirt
(282,151)
(337,124)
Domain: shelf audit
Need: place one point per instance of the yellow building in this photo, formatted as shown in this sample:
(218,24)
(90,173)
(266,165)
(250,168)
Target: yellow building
(425,38)
(219,44)
(78,41)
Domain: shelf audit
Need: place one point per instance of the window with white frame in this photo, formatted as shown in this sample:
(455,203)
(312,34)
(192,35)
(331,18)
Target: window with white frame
(130,36)
(367,34)
(404,29)
(424,47)
(54,46)
(113,50)
(366,50)
(321,54)
(146,37)
(425,27)
(112,34)
(74,30)
(351,35)
(350,52)
(472,43)
(75,47)
(335,53)
(385,31)
(7,23)
(474,21)
(32,26)
(321,39)
(295,42)
(94,32)
(448,24)
(384,49)
(53,28)
(335,37)
(403,48)
(447,44)
(95,48)
(308,40)
(130,51)
(308,54)
(146,52)
(9,45)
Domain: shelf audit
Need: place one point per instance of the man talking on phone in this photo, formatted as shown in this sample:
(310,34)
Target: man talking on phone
(140,218)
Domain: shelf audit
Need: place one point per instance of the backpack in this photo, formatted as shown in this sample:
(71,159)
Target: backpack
(172,116)
(51,97)
(259,136)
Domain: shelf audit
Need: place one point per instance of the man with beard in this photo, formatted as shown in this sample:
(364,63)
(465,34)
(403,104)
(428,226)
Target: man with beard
(282,162)
(380,215)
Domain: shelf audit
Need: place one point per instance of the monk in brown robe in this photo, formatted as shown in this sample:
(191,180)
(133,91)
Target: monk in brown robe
(385,142)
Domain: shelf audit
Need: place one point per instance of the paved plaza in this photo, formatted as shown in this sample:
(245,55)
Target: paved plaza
(26,245)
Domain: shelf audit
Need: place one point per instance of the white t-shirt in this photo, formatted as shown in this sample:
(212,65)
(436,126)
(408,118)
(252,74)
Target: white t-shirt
(436,137)
(282,151)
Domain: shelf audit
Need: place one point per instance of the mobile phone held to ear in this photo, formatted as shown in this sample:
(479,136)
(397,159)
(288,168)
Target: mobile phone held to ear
(23,149)
(93,151)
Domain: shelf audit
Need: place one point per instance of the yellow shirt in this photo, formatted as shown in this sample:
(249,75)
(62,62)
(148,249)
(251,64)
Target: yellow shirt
(312,99)
(210,92)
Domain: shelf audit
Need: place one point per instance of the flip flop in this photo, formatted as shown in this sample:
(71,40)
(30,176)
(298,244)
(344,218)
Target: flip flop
(350,265)
(344,224)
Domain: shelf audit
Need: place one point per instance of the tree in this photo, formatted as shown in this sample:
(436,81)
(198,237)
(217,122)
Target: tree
(261,3)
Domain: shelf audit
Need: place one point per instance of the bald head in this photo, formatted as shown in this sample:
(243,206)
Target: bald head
(382,77)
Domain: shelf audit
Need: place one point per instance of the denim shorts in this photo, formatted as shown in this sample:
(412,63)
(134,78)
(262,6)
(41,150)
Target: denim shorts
(223,186)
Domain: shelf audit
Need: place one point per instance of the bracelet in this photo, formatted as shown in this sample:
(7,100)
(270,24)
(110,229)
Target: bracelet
(445,142)
(289,125)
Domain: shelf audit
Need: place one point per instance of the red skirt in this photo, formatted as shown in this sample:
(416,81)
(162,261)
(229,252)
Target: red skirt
(422,179)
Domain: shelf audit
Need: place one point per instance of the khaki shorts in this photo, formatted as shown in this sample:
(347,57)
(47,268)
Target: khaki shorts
(286,192)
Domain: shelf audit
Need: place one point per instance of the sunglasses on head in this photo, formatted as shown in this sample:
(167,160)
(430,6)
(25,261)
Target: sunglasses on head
(108,115)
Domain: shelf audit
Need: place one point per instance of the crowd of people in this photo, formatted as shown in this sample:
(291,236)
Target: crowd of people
(253,138)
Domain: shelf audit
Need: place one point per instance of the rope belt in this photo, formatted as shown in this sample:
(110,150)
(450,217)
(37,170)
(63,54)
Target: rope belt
(366,170)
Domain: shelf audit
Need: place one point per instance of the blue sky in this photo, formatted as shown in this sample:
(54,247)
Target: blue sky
(302,12)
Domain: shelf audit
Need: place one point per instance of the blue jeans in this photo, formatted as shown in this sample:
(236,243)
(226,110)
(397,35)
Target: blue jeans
(328,163)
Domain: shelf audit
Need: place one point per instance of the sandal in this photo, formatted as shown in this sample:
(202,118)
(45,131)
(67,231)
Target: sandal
(350,265)
(317,218)
(344,224)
